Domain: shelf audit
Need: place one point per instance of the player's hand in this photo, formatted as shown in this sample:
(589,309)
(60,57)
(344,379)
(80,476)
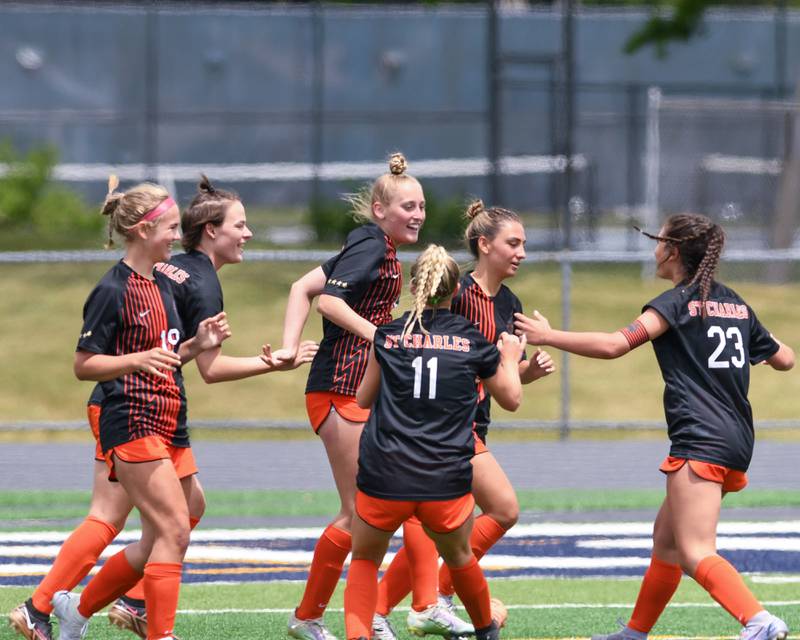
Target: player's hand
(275,359)
(541,364)
(534,329)
(511,347)
(157,361)
(212,331)
(283,354)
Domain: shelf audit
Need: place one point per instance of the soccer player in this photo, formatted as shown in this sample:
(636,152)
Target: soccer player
(496,239)
(214,233)
(357,289)
(705,338)
(416,450)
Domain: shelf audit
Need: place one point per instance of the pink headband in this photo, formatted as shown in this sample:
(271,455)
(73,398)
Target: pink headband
(163,207)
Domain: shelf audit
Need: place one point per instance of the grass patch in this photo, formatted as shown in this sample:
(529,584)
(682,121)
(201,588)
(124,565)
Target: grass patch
(557,621)
(20,509)
(40,318)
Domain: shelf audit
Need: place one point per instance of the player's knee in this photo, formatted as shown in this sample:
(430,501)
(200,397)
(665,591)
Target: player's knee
(507,515)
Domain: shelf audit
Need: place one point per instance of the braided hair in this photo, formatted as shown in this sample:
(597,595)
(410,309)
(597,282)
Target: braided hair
(485,223)
(208,206)
(699,241)
(434,277)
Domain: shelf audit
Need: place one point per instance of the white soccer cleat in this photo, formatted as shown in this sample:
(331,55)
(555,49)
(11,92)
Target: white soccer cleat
(382,629)
(71,624)
(765,626)
(437,620)
(313,629)
(625,633)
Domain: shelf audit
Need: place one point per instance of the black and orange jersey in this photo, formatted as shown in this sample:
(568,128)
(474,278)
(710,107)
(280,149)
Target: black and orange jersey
(705,363)
(491,315)
(418,441)
(366,274)
(195,283)
(197,292)
(128,313)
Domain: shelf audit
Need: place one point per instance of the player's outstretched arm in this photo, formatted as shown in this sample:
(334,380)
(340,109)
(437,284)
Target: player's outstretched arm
(370,383)
(592,344)
(505,385)
(298,306)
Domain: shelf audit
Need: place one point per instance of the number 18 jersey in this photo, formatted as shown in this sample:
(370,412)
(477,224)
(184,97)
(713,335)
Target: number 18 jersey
(418,442)
(705,363)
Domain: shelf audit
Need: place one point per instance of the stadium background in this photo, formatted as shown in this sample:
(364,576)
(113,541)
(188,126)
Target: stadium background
(293,103)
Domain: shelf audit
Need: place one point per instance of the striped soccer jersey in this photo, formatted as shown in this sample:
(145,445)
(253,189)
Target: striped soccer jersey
(128,313)
(491,315)
(366,274)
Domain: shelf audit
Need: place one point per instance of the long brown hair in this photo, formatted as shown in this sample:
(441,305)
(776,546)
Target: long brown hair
(699,241)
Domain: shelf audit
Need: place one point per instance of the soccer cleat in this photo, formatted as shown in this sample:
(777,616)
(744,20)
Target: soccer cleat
(129,615)
(382,629)
(71,624)
(492,632)
(765,626)
(30,623)
(313,629)
(437,620)
(625,633)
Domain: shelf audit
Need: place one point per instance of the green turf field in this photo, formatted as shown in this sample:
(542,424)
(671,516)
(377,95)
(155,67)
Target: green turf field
(542,608)
(40,318)
(57,509)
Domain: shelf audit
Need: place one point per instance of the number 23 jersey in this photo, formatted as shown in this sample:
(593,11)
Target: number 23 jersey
(418,441)
(705,363)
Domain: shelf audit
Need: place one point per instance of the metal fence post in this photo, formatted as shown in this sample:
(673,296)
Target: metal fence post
(566,304)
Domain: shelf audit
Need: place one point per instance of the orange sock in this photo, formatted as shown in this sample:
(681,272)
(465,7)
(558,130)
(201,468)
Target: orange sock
(77,556)
(423,565)
(485,533)
(114,579)
(395,583)
(162,586)
(326,569)
(718,576)
(471,587)
(137,593)
(359,598)
(659,584)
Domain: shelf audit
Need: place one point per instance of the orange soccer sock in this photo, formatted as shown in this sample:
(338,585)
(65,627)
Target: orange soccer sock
(395,583)
(471,587)
(162,586)
(136,595)
(423,565)
(723,582)
(359,598)
(326,569)
(77,556)
(114,579)
(485,533)
(658,586)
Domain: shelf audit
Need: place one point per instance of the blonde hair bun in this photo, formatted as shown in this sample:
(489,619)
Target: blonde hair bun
(397,164)
(474,209)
